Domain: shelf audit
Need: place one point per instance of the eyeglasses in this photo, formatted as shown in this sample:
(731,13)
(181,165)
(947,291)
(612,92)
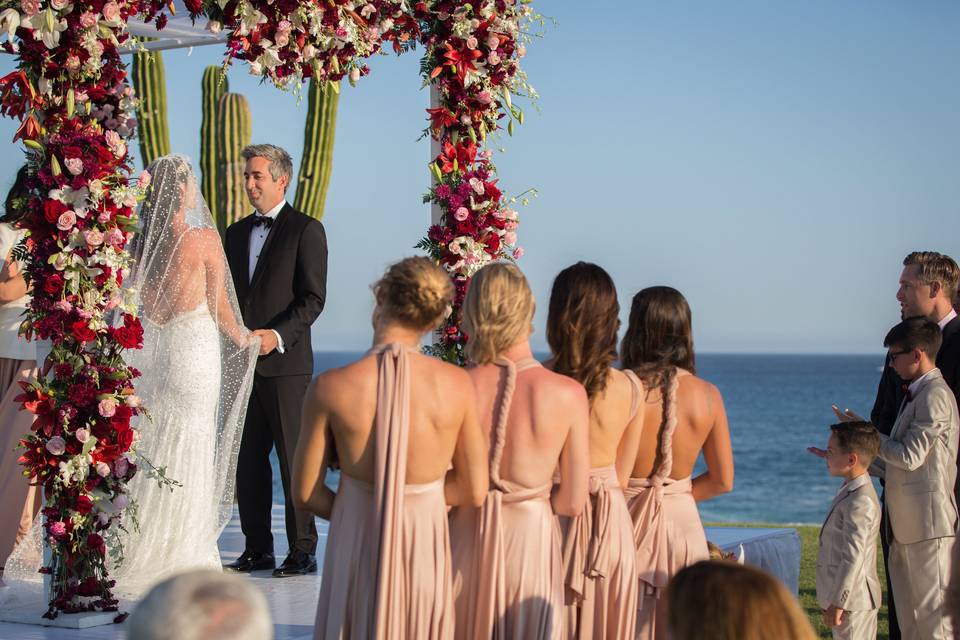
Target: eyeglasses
(894,354)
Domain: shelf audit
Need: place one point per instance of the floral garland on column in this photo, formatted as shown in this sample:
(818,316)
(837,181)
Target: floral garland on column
(71,96)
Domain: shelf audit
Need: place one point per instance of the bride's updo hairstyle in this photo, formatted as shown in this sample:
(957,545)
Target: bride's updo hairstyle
(415,293)
(582,325)
(659,337)
(497,312)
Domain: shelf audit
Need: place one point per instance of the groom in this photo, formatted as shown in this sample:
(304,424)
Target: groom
(278,258)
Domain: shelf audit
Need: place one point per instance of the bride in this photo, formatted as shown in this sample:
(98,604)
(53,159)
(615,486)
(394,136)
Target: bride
(197,366)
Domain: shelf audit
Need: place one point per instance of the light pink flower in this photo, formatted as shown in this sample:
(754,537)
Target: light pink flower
(120,467)
(111,11)
(103,469)
(74,165)
(66,221)
(341,32)
(82,435)
(107,407)
(72,64)
(63,305)
(518,253)
(477,185)
(120,502)
(521,51)
(466,120)
(484,97)
(114,237)
(472,42)
(59,4)
(282,39)
(133,400)
(103,217)
(354,75)
(493,58)
(144,180)
(367,11)
(214,27)
(492,41)
(56,445)
(58,529)
(510,237)
(461,214)
(88,20)
(94,237)
(130,199)
(30,7)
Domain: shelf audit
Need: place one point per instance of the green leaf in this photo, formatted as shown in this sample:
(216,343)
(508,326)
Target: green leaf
(510,127)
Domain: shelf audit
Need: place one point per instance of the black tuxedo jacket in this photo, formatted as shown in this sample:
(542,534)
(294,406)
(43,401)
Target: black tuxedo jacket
(288,288)
(890,391)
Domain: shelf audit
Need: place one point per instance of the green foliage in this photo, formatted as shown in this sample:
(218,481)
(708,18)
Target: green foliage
(149,81)
(235,131)
(317,162)
(214,85)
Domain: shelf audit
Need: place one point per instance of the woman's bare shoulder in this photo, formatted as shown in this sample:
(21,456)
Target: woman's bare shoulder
(342,382)
(560,386)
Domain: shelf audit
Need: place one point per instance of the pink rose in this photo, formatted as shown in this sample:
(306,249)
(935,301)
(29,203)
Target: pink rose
(114,237)
(111,11)
(59,4)
(30,7)
(58,529)
(82,435)
(472,42)
(477,185)
(492,41)
(72,64)
(493,58)
(103,217)
(144,180)
(484,97)
(56,445)
(107,407)
(103,469)
(88,20)
(66,221)
(94,237)
(461,214)
(518,253)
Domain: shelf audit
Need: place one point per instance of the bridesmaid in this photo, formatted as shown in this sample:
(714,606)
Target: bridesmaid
(508,571)
(18,499)
(405,430)
(598,553)
(662,497)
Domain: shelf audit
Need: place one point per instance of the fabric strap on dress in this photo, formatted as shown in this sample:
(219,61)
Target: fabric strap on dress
(491,604)
(391,427)
(646,500)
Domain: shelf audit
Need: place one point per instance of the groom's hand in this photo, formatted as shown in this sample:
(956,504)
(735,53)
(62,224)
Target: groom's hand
(268,340)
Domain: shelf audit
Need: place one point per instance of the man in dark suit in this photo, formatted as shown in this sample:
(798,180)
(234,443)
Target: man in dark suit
(278,258)
(928,285)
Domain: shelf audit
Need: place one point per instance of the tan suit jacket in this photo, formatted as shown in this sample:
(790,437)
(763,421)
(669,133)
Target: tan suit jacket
(919,464)
(847,560)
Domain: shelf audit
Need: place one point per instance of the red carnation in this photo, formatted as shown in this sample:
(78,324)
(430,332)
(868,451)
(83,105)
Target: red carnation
(82,332)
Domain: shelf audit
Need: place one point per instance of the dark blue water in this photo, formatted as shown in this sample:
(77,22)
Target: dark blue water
(777,406)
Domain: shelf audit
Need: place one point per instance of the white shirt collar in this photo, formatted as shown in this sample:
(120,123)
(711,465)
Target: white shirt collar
(947,318)
(916,383)
(849,485)
(275,211)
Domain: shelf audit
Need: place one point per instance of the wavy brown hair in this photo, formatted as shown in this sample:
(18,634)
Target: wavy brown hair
(582,325)
(659,337)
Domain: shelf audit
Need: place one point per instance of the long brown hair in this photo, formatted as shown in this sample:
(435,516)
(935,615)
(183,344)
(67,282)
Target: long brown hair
(659,337)
(582,325)
(733,601)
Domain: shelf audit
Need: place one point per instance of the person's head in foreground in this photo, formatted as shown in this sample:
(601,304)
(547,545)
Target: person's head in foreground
(928,285)
(913,345)
(201,605)
(851,448)
(414,294)
(582,323)
(497,312)
(722,600)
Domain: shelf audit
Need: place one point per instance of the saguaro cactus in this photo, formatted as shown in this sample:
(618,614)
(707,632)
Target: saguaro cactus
(233,134)
(149,81)
(214,85)
(317,162)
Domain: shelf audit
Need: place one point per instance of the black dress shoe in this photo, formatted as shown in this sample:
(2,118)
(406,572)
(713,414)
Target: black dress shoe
(252,561)
(297,563)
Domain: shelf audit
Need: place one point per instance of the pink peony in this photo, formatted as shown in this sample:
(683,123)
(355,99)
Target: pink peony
(56,445)
(107,407)
(461,214)
(66,221)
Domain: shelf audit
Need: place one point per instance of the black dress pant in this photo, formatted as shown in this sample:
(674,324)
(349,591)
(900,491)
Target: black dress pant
(273,420)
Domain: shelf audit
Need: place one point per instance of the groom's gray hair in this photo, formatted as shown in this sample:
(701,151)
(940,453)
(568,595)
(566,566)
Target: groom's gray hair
(280,162)
(203,604)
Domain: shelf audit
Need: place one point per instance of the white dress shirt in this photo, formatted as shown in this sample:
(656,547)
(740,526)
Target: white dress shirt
(258,237)
(918,381)
(945,320)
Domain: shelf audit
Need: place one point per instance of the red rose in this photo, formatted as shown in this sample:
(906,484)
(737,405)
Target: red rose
(82,332)
(95,543)
(52,210)
(83,504)
(130,335)
(121,418)
(54,284)
(125,439)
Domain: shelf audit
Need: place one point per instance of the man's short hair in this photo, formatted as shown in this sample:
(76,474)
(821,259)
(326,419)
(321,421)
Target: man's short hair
(936,267)
(861,438)
(203,604)
(280,162)
(916,333)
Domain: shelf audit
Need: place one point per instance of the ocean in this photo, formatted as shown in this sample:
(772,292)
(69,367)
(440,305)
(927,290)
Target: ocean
(777,405)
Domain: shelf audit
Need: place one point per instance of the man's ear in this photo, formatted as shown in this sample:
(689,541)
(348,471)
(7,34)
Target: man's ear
(935,288)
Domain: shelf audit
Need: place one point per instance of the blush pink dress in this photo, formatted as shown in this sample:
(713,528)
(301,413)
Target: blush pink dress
(668,533)
(599,559)
(508,571)
(386,570)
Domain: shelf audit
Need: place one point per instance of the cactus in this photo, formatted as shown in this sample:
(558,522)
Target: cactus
(214,85)
(317,162)
(149,81)
(234,132)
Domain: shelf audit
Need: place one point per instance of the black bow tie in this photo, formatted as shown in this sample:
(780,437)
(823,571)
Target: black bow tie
(906,392)
(262,221)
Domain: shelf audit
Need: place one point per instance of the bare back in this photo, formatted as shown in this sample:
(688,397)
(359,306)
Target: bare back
(610,414)
(438,396)
(538,423)
(699,409)
(181,286)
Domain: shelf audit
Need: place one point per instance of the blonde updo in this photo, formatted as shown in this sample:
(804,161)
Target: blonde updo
(497,312)
(414,292)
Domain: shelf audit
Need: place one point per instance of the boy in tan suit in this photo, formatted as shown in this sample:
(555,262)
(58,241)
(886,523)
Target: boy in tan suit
(919,463)
(848,590)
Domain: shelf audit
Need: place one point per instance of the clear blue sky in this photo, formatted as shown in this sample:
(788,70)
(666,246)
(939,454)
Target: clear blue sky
(772,160)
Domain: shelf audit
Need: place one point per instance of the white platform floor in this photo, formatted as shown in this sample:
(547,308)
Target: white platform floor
(292,601)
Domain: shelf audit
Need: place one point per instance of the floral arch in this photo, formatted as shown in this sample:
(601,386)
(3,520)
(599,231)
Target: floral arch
(75,107)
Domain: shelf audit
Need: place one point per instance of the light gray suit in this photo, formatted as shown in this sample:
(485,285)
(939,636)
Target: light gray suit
(847,560)
(919,463)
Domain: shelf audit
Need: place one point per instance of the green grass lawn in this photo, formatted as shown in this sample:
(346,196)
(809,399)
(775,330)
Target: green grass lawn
(808,592)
